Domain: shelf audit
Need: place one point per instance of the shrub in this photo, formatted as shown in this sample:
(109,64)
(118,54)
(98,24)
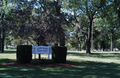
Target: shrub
(59,54)
(41,61)
(24,53)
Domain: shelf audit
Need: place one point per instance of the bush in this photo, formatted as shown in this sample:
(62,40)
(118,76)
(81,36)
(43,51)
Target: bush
(24,53)
(59,54)
(41,61)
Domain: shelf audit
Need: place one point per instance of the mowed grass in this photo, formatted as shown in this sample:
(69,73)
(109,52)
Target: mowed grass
(96,65)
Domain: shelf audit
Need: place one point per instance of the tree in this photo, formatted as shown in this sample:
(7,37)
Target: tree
(79,28)
(38,20)
(112,19)
(46,20)
(3,8)
(90,8)
(116,4)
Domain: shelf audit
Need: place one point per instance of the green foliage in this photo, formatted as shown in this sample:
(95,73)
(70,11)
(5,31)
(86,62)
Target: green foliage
(26,20)
(24,53)
(59,54)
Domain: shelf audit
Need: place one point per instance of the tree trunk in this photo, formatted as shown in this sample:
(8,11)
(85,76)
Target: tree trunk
(27,42)
(77,44)
(62,34)
(20,41)
(80,44)
(62,39)
(3,39)
(6,46)
(78,47)
(39,55)
(0,40)
(3,34)
(103,45)
(88,40)
(111,39)
(40,41)
(92,38)
(2,45)
(88,46)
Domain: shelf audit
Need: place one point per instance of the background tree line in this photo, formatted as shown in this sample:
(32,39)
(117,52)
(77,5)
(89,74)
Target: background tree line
(79,24)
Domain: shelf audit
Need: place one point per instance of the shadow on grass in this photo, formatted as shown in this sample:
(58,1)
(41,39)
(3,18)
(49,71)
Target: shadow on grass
(8,52)
(3,61)
(98,55)
(83,69)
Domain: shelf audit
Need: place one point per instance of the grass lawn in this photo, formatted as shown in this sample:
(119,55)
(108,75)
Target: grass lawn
(96,65)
